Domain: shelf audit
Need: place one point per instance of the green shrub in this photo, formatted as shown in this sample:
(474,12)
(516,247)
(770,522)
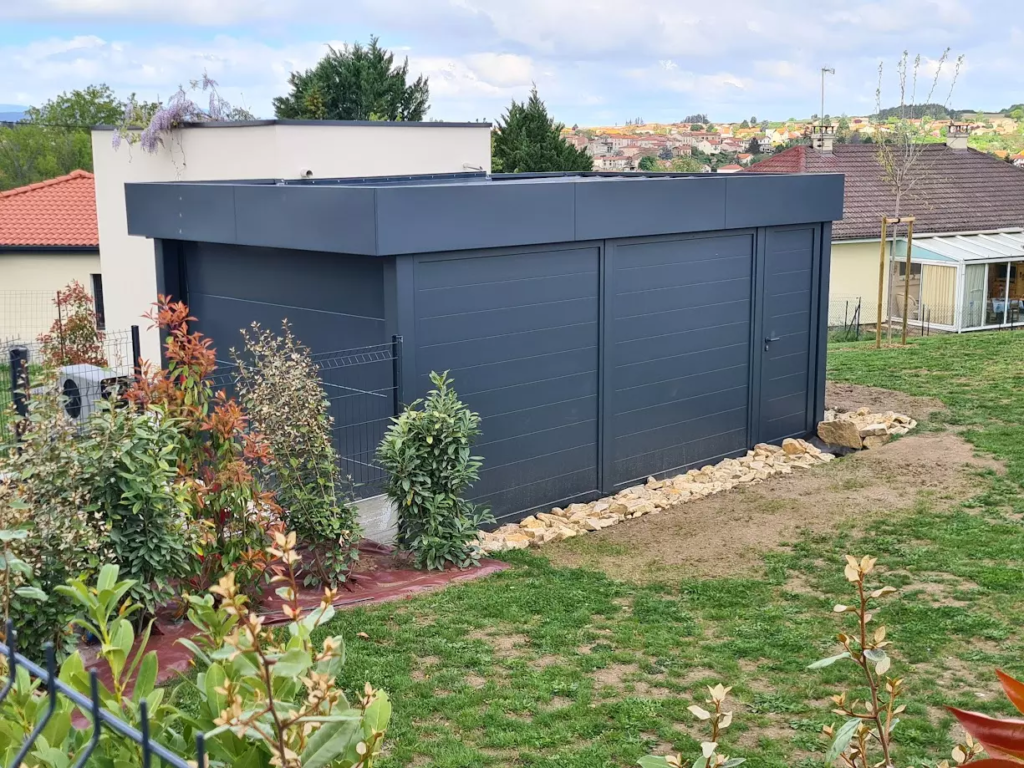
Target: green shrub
(129,459)
(47,495)
(280,386)
(265,698)
(427,452)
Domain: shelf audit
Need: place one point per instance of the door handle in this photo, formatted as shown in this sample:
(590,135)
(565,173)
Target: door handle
(768,340)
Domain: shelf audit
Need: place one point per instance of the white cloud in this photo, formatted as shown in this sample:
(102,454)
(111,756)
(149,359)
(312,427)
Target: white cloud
(589,57)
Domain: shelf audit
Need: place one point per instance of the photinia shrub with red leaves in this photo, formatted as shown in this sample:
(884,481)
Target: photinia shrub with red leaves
(1002,738)
(219,453)
(74,338)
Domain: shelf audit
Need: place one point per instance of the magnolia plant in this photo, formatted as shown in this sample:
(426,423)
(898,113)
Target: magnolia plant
(870,722)
(719,719)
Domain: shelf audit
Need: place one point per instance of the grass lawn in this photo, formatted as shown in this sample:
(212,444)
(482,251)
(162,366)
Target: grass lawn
(551,665)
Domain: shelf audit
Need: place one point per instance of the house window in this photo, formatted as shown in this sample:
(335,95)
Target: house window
(915,269)
(1002,271)
(97,298)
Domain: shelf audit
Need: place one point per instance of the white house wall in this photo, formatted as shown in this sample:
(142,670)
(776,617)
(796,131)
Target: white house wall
(247,152)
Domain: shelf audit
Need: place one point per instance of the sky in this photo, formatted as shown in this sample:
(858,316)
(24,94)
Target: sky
(595,62)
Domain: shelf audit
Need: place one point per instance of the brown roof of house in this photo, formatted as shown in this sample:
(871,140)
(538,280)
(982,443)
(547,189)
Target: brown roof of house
(949,190)
(55,212)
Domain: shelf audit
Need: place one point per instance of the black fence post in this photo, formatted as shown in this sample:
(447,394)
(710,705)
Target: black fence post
(396,372)
(19,380)
(136,352)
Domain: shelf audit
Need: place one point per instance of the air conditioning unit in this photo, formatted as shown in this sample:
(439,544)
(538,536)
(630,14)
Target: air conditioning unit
(85,386)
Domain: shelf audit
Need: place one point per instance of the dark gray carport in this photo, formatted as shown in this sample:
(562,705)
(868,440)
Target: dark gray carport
(606,327)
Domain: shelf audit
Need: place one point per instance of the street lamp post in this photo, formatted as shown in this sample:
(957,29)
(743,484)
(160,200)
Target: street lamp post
(824,71)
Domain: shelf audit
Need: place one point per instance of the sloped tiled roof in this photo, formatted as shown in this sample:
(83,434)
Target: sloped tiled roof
(950,190)
(55,212)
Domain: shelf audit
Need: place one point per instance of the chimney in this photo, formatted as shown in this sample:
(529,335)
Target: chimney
(822,137)
(957,135)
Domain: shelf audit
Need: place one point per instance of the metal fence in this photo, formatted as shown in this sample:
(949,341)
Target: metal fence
(363,387)
(100,718)
(84,385)
(854,319)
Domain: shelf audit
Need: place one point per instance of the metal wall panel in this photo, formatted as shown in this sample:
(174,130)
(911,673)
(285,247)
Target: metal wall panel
(677,365)
(790,327)
(519,333)
(333,302)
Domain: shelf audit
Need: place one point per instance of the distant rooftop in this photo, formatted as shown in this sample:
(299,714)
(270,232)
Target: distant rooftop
(58,212)
(952,190)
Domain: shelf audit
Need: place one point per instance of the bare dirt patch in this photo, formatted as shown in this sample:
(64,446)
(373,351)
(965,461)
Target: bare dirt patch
(849,397)
(628,680)
(728,533)
(506,645)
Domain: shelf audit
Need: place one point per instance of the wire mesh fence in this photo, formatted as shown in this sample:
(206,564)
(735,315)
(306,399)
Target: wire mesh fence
(363,388)
(20,674)
(854,319)
(84,375)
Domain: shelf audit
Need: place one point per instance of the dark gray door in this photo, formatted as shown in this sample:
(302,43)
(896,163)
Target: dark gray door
(519,333)
(786,380)
(678,349)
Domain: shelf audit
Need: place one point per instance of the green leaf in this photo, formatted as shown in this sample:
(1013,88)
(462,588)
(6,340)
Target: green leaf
(842,740)
(107,577)
(377,715)
(32,593)
(330,741)
(652,761)
(821,663)
(292,664)
(212,680)
(145,681)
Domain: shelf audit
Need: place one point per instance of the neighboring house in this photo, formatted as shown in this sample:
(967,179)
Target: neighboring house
(744,158)
(274,149)
(48,237)
(765,144)
(732,168)
(969,213)
(1018,159)
(709,146)
(613,163)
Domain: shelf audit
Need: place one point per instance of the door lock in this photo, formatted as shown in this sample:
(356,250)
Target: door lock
(768,340)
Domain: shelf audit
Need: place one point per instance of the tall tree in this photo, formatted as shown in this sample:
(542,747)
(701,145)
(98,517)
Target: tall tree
(648,163)
(355,83)
(94,105)
(687,165)
(54,138)
(744,124)
(527,140)
(696,127)
(665,153)
(754,147)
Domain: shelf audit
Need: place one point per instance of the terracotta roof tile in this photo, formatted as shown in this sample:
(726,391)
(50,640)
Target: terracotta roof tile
(951,190)
(57,212)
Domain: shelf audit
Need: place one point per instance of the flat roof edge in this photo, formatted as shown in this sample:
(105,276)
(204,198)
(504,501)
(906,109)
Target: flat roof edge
(332,123)
(456,213)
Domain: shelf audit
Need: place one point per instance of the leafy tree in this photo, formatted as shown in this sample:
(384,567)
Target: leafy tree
(711,129)
(31,153)
(698,118)
(754,147)
(528,140)
(744,124)
(95,105)
(665,153)
(687,165)
(355,83)
(648,163)
(753,120)
(696,127)
(54,138)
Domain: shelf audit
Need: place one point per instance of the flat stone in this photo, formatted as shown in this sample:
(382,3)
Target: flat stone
(876,441)
(531,522)
(840,432)
(872,430)
(793,447)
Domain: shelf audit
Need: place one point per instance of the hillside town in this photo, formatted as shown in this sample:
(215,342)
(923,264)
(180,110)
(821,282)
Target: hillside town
(697,145)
